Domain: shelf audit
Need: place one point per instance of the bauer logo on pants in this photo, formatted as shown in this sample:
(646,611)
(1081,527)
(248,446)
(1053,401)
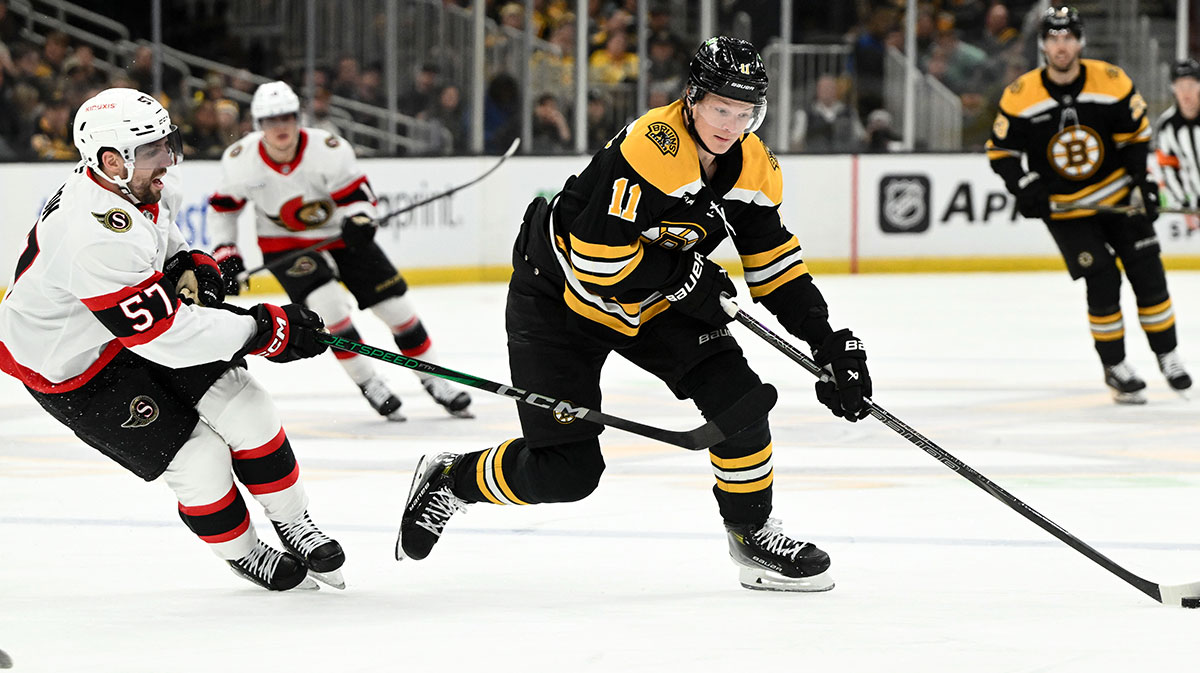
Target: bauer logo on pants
(904,204)
(142,412)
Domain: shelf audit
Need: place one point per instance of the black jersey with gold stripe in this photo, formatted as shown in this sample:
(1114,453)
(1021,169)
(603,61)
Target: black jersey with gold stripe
(1088,139)
(627,225)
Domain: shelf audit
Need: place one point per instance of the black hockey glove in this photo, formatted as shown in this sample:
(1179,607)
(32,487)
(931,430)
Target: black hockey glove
(229,261)
(698,294)
(844,354)
(1033,197)
(357,231)
(1149,190)
(195,277)
(285,333)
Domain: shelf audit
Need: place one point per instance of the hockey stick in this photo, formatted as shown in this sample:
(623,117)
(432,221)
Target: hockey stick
(751,407)
(1127,210)
(244,275)
(1178,595)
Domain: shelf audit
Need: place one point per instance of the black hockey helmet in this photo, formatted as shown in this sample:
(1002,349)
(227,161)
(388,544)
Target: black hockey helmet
(728,67)
(1061,18)
(1188,67)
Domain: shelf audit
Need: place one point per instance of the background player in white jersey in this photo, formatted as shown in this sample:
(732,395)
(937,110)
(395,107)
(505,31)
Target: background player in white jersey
(304,184)
(1176,142)
(93,326)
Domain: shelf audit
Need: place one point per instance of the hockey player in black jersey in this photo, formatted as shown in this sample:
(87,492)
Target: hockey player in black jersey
(1175,139)
(617,262)
(1082,128)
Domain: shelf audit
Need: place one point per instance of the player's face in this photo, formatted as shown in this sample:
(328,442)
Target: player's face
(720,121)
(1187,96)
(281,132)
(1062,50)
(150,164)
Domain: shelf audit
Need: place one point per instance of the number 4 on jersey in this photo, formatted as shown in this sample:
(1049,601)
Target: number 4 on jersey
(635,194)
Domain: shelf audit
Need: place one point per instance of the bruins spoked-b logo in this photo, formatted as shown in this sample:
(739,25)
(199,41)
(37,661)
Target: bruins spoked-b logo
(561,413)
(904,204)
(1075,152)
(142,412)
(115,220)
(674,235)
(664,137)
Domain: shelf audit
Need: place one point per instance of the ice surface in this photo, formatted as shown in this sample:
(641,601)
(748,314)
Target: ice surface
(98,574)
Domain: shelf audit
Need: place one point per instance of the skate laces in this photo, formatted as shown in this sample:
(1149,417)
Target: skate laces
(771,538)
(375,391)
(1171,365)
(1123,372)
(442,505)
(261,561)
(303,534)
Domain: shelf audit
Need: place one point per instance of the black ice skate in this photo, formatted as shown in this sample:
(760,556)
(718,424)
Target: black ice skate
(1172,367)
(1126,386)
(272,569)
(452,399)
(382,399)
(321,554)
(772,561)
(431,503)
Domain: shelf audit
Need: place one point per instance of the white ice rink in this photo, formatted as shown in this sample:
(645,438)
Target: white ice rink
(98,574)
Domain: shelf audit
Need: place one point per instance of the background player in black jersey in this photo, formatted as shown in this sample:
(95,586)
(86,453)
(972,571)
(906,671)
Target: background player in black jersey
(1081,126)
(1175,139)
(618,263)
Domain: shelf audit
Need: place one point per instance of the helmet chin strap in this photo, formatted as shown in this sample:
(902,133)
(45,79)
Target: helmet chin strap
(122,185)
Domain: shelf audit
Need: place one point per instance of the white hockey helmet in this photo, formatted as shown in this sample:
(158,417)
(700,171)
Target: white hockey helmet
(123,120)
(273,99)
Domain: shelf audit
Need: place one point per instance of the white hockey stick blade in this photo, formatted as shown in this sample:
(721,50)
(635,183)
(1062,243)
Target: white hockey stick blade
(1172,595)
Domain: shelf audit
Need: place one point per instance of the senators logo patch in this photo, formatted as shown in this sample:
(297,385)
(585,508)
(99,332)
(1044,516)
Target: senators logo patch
(115,220)
(333,141)
(664,137)
(142,412)
(298,215)
(303,266)
(237,149)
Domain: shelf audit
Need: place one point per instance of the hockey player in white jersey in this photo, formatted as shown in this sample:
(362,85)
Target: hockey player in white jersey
(1177,139)
(305,186)
(93,326)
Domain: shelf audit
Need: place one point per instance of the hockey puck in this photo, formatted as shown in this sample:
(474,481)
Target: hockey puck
(1190,602)
(5,660)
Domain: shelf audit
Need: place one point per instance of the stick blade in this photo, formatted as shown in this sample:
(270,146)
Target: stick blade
(753,406)
(1172,595)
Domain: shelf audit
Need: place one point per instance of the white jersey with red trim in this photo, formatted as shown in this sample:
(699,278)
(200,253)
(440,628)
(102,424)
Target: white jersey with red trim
(297,203)
(89,282)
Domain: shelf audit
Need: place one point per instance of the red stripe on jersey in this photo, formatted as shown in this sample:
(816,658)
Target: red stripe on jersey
(275,486)
(231,535)
(287,243)
(260,451)
(103,301)
(223,203)
(289,167)
(211,508)
(43,385)
(339,195)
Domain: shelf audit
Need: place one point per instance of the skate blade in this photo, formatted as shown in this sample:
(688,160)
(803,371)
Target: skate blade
(1185,393)
(332,578)
(461,413)
(417,472)
(1129,398)
(759,579)
(396,417)
(307,585)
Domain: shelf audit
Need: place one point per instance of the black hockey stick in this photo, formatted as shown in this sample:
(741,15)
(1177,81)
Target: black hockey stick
(1173,595)
(286,259)
(1127,210)
(751,407)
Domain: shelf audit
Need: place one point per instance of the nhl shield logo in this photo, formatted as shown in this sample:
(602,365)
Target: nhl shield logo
(142,412)
(904,204)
